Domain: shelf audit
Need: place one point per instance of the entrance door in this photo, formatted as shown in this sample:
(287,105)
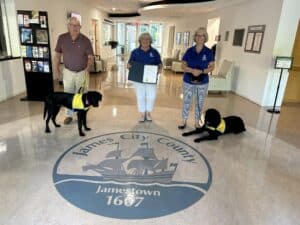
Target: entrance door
(131,37)
(292,92)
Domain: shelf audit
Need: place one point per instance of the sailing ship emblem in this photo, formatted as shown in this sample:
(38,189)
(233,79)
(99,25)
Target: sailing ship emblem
(142,167)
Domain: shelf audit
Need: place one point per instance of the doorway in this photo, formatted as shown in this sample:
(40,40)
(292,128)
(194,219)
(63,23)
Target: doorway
(213,27)
(292,91)
(94,36)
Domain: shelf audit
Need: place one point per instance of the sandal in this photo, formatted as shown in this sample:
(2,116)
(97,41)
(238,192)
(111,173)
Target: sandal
(148,117)
(182,125)
(142,118)
(197,125)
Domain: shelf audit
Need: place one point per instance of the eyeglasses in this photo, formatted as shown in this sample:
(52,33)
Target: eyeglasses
(199,35)
(74,25)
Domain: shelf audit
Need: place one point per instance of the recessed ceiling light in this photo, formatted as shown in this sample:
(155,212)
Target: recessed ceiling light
(113,9)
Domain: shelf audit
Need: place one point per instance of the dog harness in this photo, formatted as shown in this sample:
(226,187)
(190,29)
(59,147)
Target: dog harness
(221,127)
(77,102)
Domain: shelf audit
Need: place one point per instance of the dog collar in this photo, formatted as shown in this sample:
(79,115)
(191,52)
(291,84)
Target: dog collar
(221,127)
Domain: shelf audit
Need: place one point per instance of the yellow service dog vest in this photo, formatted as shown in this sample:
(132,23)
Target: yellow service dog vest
(77,102)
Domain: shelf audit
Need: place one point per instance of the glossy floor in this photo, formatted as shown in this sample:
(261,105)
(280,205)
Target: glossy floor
(251,178)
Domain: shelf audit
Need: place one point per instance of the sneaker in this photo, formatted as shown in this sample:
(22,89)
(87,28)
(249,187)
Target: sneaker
(142,118)
(68,120)
(148,117)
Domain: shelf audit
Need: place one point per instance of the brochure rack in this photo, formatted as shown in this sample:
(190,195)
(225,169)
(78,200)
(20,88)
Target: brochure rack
(36,53)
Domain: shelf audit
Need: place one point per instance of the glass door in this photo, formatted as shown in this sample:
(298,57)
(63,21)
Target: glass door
(128,33)
(131,37)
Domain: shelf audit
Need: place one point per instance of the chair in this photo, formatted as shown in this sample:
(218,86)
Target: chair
(99,65)
(167,62)
(223,79)
(177,67)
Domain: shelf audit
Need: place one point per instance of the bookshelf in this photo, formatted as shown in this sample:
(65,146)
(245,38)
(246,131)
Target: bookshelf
(36,53)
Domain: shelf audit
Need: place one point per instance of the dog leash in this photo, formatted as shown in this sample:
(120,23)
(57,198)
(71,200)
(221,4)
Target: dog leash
(84,84)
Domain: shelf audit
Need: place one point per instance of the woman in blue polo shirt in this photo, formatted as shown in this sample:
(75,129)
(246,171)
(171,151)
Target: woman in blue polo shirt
(145,93)
(198,61)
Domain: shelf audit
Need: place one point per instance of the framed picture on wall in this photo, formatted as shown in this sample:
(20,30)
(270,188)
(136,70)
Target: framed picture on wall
(238,37)
(186,37)
(178,38)
(254,38)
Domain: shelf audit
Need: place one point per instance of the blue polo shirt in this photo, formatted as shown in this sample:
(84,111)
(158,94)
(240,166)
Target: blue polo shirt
(150,57)
(197,61)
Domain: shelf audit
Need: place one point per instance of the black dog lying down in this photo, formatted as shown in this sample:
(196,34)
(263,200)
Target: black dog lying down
(54,101)
(215,126)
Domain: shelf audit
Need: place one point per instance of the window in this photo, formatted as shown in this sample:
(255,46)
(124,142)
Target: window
(9,42)
(128,33)
(107,31)
(3,33)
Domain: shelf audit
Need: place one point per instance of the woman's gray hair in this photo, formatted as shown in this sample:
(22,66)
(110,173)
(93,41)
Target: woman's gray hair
(201,30)
(144,36)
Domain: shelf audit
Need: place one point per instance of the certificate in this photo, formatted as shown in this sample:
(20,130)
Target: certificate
(142,73)
(249,42)
(150,74)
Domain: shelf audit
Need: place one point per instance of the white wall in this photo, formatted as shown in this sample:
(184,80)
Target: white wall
(188,24)
(12,79)
(251,69)
(284,43)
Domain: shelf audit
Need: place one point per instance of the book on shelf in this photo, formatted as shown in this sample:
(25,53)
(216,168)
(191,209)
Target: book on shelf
(29,51)
(35,52)
(40,66)
(46,67)
(46,52)
(41,52)
(34,66)
(27,65)
(26,35)
(23,51)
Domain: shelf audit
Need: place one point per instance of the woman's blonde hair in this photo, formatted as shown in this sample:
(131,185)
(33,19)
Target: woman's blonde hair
(145,35)
(203,31)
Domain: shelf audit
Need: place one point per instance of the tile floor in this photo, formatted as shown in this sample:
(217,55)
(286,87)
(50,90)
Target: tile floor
(251,178)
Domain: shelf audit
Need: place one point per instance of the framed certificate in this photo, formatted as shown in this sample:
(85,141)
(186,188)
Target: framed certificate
(254,39)
(150,74)
(143,73)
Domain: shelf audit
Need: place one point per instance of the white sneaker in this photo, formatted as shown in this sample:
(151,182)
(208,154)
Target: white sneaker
(148,117)
(142,118)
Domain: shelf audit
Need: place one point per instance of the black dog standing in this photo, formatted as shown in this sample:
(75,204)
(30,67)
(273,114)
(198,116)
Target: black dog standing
(54,101)
(215,126)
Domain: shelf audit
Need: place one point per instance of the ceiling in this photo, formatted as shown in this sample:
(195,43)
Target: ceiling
(158,10)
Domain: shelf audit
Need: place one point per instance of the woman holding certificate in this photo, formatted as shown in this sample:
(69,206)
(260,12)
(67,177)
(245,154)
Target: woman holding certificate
(198,61)
(144,65)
